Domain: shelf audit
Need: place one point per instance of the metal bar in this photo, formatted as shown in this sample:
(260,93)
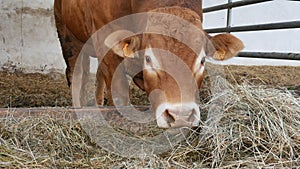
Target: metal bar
(229,14)
(272,26)
(270,55)
(232,5)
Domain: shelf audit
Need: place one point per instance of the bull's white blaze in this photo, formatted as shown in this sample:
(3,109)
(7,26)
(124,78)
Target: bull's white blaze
(182,107)
(154,64)
(198,66)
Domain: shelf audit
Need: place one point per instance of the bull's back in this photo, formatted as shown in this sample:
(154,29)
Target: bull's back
(148,5)
(82,18)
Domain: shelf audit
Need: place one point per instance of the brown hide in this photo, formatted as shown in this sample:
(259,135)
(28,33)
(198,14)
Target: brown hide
(82,18)
(78,20)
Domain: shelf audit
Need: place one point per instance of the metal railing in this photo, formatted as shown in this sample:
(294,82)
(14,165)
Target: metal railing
(270,26)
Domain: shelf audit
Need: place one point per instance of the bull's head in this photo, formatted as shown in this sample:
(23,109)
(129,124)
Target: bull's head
(173,63)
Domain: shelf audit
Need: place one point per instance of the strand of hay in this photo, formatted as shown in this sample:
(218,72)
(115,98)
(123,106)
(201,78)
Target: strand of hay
(256,127)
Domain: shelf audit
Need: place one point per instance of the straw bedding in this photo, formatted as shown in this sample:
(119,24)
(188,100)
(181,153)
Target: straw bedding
(244,125)
(256,127)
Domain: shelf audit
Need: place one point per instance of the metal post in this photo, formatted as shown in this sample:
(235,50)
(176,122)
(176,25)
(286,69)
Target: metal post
(229,10)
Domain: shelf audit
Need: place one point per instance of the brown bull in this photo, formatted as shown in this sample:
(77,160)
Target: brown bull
(170,70)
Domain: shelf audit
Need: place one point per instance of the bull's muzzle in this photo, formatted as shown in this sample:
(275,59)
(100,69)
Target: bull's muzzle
(178,115)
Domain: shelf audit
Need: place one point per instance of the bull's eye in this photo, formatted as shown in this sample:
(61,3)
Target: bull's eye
(203,60)
(148,59)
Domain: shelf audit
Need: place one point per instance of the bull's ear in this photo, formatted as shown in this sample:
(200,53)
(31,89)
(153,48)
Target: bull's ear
(224,46)
(124,43)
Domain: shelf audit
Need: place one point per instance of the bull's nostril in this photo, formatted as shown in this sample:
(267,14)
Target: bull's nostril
(169,118)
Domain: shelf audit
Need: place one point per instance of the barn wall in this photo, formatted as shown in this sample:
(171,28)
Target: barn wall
(28,39)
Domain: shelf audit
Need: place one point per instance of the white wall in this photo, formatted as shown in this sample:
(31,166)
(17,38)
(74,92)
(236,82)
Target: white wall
(28,39)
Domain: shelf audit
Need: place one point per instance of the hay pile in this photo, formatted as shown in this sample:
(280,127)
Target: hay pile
(252,127)
(33,90)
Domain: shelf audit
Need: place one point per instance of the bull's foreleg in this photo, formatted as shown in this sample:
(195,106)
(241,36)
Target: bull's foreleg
(80,81)
(117,85)
(117,92)
(100,85)
(77,71)
(120,87)
(85,80)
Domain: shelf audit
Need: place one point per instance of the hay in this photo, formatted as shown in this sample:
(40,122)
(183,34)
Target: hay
(33,90)
(260,127)
(255,127)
